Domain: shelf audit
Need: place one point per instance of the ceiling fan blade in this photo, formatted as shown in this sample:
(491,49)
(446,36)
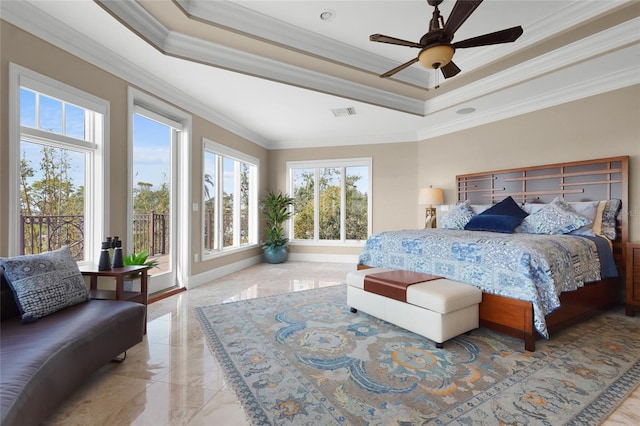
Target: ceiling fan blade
(460,13)
(399,68)
(505,36)
(392,40)
(450,70)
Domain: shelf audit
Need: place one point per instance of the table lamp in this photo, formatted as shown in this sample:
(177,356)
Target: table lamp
(430,196)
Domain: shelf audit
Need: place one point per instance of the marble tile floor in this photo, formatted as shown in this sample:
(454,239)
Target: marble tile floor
(171,378)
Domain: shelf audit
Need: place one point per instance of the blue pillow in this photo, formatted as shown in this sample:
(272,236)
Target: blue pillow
(506,207)
(44,283)
(493,223)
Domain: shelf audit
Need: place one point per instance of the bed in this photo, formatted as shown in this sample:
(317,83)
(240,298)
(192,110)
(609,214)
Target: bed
(533,284)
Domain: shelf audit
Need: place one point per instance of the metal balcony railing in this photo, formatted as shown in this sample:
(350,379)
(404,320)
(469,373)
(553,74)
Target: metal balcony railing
(45,233)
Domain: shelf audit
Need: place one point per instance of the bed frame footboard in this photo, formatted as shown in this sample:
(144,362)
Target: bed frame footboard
(515,317)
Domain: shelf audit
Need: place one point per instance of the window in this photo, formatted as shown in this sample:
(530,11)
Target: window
(332,201)
(57,151)
(230,199)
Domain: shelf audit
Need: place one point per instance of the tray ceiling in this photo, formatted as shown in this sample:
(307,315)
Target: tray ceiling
(273,71)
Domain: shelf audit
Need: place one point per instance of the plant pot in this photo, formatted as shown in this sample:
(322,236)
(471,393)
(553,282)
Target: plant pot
(275,254)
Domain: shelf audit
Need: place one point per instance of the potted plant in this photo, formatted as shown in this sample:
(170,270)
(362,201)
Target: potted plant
(137,259)
(276,210)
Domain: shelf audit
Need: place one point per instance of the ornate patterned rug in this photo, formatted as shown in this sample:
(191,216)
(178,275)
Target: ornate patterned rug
(304,359)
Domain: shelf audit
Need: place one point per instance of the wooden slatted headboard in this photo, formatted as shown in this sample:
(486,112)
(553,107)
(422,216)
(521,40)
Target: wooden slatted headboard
(588,180)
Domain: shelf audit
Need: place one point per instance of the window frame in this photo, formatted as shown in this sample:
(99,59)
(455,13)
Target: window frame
(341,163)
(96,153)
(221,152)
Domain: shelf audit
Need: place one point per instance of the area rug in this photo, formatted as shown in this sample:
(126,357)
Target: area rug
(304,359)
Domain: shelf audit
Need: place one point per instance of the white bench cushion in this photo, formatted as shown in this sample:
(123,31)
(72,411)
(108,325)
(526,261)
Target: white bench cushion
(442,295)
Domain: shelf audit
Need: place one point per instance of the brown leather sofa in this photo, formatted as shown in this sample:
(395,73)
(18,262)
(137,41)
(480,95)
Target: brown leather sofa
(42,363)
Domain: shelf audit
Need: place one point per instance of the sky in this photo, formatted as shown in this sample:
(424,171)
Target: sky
(152,159)
(151,151)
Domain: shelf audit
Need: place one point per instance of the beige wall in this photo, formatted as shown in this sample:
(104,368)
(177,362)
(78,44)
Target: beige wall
(30,52)
(606,125)
(394,183)
(601,126)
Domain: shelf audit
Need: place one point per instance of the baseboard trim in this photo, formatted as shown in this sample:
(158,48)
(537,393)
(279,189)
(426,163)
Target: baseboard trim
(315,257)
(164,294)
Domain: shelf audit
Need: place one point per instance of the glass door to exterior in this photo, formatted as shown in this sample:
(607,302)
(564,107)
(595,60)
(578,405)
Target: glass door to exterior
(153,181)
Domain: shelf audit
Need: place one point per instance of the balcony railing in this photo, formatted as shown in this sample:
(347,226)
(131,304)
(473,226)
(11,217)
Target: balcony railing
(151,233)
(45,233)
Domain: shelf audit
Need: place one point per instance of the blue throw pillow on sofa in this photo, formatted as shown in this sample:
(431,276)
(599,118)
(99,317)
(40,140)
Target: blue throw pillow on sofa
(493,223)
(44,283)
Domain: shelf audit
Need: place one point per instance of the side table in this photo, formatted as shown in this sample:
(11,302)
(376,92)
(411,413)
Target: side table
(632,297)
(118,293)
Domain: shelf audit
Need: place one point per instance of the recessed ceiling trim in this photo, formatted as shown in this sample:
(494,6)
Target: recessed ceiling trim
(138,18)
(556,96)
(611,39)
(239,18)
(180,45)
(195,49)
(33,20)
(571,15)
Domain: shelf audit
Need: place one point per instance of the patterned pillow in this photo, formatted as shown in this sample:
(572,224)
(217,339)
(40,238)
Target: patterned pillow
(555,218)
(609,209)
(44,283)
(458,217)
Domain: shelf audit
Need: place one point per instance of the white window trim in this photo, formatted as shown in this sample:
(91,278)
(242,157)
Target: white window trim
(225,151)
(338,162)
(95,173)
(174,117)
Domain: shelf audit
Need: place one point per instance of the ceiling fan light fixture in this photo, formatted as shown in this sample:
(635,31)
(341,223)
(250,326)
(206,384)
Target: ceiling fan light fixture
(435,57)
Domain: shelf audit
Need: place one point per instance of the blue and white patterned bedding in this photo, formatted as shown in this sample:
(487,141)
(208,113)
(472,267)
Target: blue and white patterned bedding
(530,267)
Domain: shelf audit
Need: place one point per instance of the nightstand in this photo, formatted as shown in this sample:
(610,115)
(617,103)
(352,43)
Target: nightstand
(632,299)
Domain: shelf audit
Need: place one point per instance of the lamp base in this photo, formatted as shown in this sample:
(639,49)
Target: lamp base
(430,218)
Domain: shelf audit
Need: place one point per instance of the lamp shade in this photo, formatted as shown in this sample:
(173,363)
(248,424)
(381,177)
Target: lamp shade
(430,196)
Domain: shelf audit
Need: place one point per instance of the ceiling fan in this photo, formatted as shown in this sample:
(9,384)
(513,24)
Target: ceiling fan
(436,49)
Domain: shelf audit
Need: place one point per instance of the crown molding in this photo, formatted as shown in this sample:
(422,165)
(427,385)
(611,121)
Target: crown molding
(256,24)
(203,51)
(573,14)
(609,40)
(33,20)
(553,96)
(241,19)
(347,140)
(623,37)
(190,48)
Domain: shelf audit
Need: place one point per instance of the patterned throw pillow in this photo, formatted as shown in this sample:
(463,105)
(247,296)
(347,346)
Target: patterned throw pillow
(555,218)
(458,217)
(44,283)
(609,212)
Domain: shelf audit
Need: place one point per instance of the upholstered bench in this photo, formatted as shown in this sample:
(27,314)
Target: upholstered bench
(439,309)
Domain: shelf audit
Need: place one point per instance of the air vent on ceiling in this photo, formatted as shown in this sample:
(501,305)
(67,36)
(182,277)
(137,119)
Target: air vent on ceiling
(343,112)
